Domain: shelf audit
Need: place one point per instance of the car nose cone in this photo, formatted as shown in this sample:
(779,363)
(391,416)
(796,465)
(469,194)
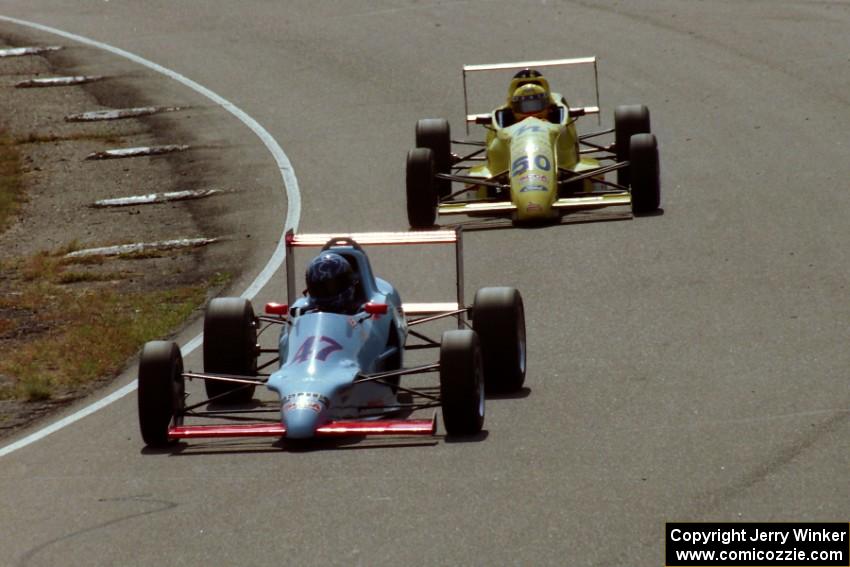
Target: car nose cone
(300,423)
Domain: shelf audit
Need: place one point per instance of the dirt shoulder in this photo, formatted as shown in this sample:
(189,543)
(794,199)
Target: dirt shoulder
(46,300)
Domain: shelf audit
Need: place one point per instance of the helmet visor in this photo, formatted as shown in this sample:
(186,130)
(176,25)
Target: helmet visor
(530,104)
(331,287)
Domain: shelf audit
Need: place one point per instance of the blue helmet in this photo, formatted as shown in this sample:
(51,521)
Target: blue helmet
(331,282)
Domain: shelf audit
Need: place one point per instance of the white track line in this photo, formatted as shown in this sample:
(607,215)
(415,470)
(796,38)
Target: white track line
(293,214)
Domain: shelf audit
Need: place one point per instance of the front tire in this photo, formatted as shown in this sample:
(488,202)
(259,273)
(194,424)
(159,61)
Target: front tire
(646,174)
(498,317)
(435,134)
(161,391)
(629,120)
(461,383)
(421,191)
(230,347)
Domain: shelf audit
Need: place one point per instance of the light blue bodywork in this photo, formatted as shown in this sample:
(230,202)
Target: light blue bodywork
(322,353)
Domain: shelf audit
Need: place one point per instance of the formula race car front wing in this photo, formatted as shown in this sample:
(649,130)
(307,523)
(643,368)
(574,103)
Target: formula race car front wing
(331,429)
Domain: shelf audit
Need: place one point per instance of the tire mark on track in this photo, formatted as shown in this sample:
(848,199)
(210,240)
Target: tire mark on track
(162,506)
(780,458)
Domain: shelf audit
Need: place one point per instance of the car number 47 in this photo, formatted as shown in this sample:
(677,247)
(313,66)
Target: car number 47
(312,343)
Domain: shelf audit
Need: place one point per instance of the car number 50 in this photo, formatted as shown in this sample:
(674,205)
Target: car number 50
(520,164)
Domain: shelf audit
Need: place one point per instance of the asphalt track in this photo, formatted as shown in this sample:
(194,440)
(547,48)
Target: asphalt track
(687,366)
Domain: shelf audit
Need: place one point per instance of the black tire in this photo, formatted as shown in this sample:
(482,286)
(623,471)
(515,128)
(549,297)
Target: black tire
(498,317)
(628,120)
(435,134)
(161,391)
(421,191)
(230,347)
(461,382)
(646,174)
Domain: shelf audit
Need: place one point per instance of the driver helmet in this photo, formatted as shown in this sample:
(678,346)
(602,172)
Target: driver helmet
(528,74)
(530,99)
(331,283)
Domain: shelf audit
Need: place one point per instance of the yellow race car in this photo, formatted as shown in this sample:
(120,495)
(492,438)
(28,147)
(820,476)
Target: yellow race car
(535,166)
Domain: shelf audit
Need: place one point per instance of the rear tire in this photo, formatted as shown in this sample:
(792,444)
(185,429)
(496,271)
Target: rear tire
(498,317)
(421,191)
(161,391)
(435,134)
(646,174)
(230,347)
(461,382)
(628,120)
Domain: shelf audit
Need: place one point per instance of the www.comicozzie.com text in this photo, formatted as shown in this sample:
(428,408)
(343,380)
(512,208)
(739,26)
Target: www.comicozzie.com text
(781,536)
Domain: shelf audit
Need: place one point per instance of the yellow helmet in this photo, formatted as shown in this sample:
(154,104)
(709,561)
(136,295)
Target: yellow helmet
(530,100)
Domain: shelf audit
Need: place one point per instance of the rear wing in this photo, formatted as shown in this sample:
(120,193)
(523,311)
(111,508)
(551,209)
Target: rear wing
(455,237)
(471,118)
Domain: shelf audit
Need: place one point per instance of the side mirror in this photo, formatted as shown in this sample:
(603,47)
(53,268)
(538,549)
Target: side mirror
(280,309)
(375,308)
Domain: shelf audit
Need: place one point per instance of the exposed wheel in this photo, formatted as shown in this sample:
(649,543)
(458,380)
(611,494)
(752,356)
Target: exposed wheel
(646,178)
(628,120)
(435,134)
(421,191)
(230,347)
(161,391)
(498,317)
(461,382)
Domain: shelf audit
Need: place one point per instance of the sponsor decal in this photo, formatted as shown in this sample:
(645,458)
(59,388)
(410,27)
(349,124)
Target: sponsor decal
(305,400)
(527,129)
(312,406)
(533,208)
(532,177)
(530,188)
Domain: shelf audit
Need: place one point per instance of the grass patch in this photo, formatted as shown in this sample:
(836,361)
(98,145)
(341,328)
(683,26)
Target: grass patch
(11,181)
(92,336)
(71,277)
(54,267)
(58,338)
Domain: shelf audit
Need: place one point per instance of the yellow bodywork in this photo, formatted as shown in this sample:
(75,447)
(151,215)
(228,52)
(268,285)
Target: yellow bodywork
(529,155)
(527,159)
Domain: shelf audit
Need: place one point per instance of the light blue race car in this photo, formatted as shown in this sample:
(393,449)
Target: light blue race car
(340,355)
